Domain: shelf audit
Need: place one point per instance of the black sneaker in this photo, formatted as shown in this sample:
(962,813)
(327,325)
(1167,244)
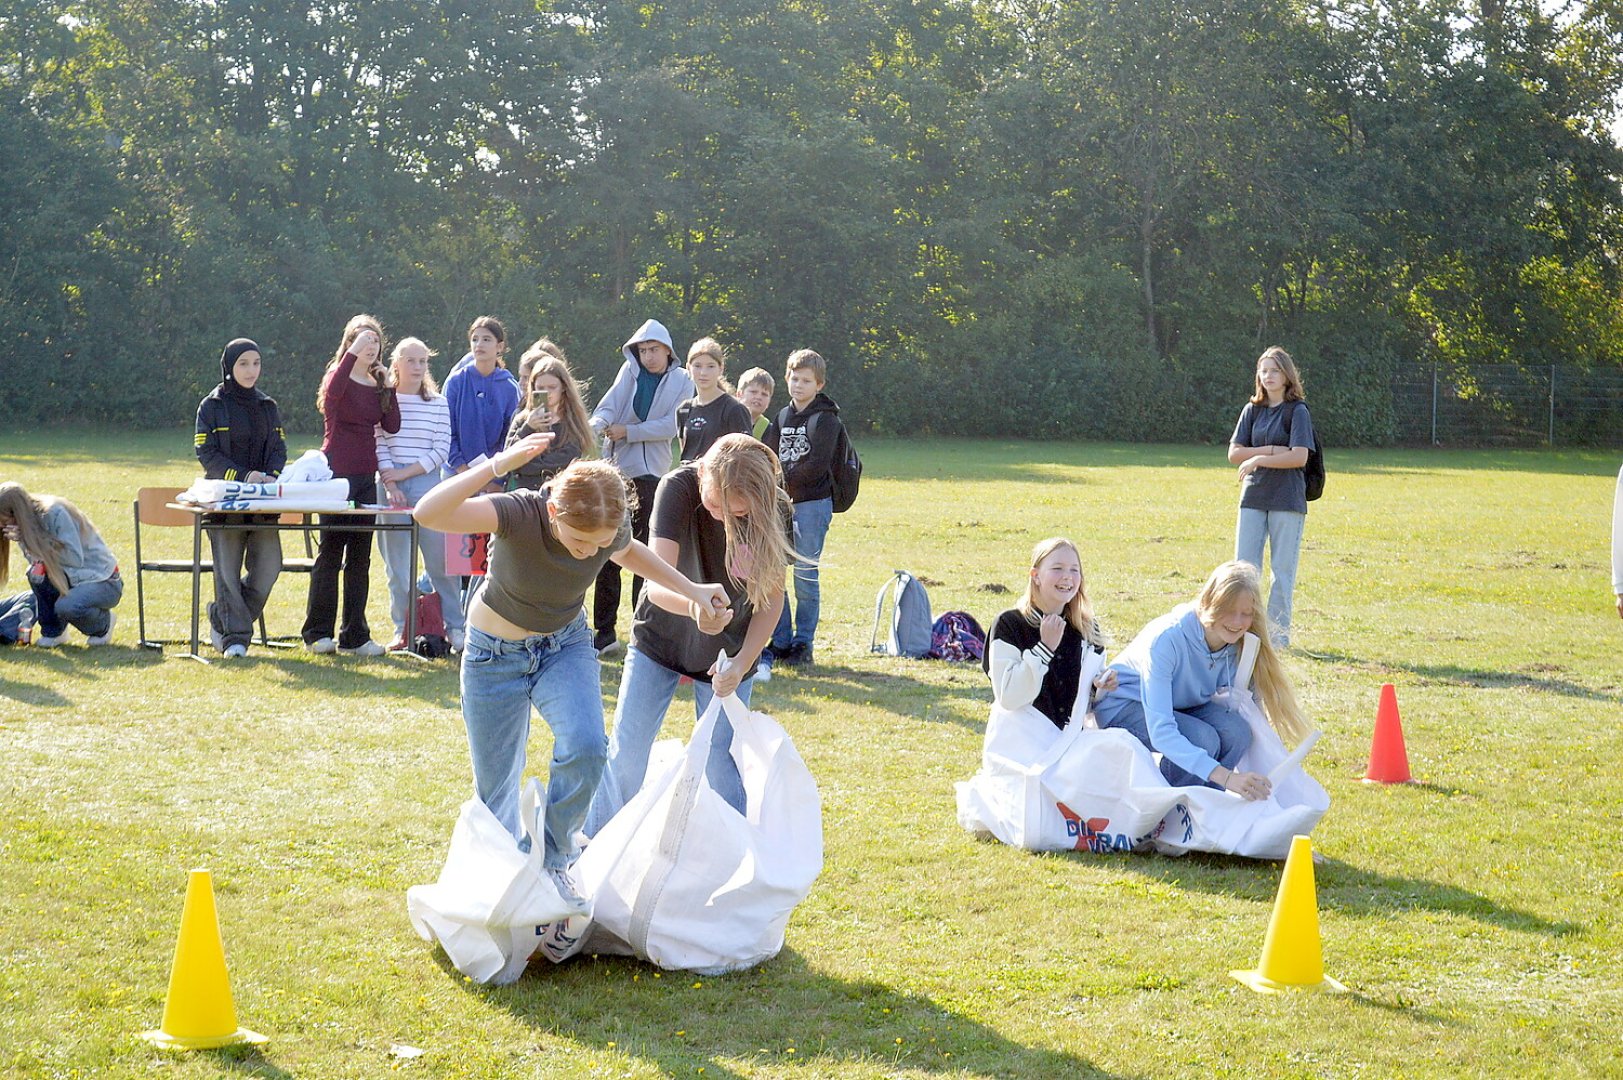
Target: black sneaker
(797,654)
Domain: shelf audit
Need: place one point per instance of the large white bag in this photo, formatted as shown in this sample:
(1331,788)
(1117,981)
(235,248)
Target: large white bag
(492,901)
(683,880)
(1083,789)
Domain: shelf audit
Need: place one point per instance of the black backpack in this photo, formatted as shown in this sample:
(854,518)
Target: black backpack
(847,467)
(847,473)
(1313,471)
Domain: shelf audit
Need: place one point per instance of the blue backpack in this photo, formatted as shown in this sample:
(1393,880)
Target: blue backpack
(909,617)
(958,637)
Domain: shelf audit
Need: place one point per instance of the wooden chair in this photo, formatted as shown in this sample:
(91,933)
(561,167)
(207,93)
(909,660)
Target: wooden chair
(151,510)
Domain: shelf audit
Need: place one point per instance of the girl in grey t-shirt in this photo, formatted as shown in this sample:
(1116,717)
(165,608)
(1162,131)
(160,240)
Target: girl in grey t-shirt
(527,640)
(1270,445)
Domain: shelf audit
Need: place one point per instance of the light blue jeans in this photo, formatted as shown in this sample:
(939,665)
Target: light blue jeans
(396,548)
(1215,728)
(812,520)
(558,674)
(1282,529)
(646,690)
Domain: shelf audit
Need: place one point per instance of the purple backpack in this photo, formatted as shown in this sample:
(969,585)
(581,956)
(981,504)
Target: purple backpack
(957,636)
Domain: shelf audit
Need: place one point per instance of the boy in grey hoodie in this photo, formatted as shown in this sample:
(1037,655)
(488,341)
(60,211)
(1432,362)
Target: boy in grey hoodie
(636,420)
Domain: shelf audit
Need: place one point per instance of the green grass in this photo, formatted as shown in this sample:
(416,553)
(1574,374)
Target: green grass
(1474,915)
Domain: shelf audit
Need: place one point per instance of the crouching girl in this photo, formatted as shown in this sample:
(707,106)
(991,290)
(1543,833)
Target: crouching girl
(73,575)
(1176,666)
(527,641)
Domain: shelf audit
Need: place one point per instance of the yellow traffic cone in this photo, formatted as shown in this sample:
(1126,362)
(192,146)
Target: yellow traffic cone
(1291,958)
(199,1014)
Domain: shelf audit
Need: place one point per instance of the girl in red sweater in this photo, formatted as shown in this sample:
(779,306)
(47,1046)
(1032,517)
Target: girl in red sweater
(355,397)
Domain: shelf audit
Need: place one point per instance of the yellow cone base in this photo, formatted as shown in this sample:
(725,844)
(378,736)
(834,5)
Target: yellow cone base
(239,1037)
(1259,982)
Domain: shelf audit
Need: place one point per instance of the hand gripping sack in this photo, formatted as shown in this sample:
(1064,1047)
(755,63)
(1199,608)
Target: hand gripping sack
(492,901)
(684,881)
(1083,789)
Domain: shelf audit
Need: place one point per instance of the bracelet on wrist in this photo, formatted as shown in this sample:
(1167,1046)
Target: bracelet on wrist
(494,475)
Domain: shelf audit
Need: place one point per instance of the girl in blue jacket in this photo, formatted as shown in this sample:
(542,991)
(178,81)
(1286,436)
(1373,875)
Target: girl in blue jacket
(1174,669)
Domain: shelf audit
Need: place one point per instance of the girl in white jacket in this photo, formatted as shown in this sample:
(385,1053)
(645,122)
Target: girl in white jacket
(1038,652)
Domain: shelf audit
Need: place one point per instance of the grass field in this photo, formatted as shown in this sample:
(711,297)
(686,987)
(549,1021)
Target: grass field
(1473,915)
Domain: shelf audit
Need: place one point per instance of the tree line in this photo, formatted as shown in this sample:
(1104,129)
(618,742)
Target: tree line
(1029,218)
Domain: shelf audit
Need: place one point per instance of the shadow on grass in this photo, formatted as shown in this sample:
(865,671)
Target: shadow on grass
(433,682)
(1341,886)
(29,694)
(1475,678)
(799,690)
(625,1006)
(247,1060)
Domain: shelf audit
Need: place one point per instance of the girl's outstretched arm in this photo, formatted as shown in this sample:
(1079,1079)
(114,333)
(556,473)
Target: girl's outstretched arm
(452,505)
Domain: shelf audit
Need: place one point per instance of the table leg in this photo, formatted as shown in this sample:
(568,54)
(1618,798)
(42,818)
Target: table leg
(411,593)
(197,580)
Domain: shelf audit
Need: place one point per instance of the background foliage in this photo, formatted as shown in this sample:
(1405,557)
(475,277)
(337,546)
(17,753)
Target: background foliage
(1074,218)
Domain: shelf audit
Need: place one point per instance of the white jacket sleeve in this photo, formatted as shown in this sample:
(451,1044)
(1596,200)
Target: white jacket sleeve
(1016,676)
(1617,537)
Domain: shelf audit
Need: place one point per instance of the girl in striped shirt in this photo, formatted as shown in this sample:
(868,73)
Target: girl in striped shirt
(409,463)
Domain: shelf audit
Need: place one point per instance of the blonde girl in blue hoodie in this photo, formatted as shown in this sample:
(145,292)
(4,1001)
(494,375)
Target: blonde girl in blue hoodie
(1173,670)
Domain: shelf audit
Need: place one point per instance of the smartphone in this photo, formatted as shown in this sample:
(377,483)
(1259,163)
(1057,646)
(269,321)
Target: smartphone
(540,413)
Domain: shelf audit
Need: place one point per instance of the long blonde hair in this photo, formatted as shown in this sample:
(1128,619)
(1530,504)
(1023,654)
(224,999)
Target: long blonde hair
(1222,592)
(26,511)
(591,495)
(430,389)
(1079,609)
(575,422)
(352,330)
(758,543)
(1287,366)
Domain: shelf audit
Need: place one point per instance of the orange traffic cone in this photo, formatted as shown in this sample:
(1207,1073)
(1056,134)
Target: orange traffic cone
(1388,761)
(1291,956)
(199,1014)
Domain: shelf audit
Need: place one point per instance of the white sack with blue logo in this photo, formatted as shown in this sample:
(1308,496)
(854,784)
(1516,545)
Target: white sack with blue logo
(681,879)
(1083,789)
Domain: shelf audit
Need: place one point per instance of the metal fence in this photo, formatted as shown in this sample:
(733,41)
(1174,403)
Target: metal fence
(1509,405)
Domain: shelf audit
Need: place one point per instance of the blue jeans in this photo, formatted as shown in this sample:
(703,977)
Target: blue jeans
(16,612)
(646,690)
(558,674)
(1282,529)
(87,607)
(1216,729)
(396,549)
(811,529)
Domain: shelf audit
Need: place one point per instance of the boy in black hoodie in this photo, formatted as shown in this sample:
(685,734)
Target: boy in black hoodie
(805,434)
(240,437)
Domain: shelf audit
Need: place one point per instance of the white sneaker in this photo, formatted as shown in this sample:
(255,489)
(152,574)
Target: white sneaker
(321,646)
(236,650)
(102,639)
(567,891)
(763,670)
(562,939)
(370,648)
(51,642)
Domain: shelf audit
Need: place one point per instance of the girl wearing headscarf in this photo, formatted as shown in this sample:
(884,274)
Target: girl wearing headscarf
(239,437)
